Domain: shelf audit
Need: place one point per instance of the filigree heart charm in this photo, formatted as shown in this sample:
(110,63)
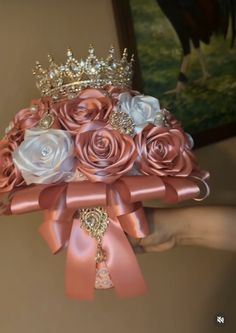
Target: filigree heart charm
(47,121)
(94,221)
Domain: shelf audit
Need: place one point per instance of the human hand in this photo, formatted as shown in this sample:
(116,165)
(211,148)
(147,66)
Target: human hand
(164,231)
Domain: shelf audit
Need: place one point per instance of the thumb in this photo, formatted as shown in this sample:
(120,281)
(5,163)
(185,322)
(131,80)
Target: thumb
(150,240)
(155,243)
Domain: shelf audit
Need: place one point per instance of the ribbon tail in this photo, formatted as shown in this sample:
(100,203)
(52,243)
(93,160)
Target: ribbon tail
(122,263)
(80,265)
(130,215)
(58,220)
(56,234)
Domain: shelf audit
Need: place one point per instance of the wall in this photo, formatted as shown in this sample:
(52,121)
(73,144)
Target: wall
(188,286)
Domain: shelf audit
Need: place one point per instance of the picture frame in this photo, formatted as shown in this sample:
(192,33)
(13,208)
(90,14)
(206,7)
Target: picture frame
(214,129)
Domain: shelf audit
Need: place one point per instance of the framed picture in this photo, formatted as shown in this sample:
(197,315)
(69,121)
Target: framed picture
(185,56)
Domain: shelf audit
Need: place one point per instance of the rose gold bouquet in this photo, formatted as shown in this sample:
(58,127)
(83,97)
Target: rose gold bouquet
(87,154)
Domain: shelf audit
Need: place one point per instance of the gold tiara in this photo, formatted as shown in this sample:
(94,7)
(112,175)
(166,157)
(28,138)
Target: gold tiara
(66,80)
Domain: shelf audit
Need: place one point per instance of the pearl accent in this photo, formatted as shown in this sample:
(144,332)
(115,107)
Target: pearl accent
(34,108)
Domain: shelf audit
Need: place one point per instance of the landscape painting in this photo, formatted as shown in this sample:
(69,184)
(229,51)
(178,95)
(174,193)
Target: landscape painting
(187,59)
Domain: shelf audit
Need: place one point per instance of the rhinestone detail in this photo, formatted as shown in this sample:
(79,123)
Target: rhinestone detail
(94,221)
(122,122)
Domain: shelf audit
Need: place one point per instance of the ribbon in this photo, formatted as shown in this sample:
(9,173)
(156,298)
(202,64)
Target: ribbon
(122,201)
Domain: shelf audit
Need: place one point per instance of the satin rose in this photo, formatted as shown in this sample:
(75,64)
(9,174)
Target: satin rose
(163,152)
(104,154)
(10,176)
(45,156)
(115,91)
(172,122)
(88,105)
(27,118)
(142,109)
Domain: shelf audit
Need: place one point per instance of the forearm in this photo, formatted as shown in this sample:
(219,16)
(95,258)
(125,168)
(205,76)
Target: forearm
(213,227)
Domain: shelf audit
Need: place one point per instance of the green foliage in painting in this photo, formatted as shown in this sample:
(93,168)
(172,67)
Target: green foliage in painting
(203,104)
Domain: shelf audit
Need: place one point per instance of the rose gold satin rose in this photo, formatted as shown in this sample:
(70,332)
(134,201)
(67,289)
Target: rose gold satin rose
(104,154)
(115,91)
(88,105)
(26,119)
(172,122)
(9,175)
(163,152)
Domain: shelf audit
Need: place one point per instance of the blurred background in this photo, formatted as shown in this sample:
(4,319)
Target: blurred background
(162,30)
(188,286)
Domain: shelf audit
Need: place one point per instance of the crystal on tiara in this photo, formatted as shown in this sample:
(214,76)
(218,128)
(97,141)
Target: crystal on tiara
(63,81)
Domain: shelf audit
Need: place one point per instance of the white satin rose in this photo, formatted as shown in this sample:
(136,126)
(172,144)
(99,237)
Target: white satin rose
(45,156)
(142,109)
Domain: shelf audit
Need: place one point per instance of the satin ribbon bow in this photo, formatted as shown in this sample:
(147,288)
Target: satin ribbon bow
(122,201)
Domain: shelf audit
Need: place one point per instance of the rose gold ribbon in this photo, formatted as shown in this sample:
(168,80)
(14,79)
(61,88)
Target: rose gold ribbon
(122,200)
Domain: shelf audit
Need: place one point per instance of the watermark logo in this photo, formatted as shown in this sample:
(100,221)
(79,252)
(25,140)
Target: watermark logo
(220,319)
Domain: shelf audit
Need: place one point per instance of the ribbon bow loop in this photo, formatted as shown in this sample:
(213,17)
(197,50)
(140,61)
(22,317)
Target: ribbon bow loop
(122,201)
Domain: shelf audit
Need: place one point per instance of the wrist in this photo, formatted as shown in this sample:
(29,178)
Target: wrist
(179,224)
(170,223)
(187,228)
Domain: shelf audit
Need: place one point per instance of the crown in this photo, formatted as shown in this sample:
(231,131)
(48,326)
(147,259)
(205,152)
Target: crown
(66,80)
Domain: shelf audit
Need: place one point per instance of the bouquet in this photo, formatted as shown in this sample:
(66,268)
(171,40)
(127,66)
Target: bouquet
(87,153)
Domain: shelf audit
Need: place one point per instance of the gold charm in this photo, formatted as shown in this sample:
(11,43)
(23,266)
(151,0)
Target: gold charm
(47,121)
(122,122)
(103,279)
(94,221)
(101,255)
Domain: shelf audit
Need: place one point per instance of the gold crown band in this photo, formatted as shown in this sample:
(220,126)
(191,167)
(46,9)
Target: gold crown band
(66,80)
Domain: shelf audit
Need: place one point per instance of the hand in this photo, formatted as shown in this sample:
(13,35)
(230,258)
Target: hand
(164,231)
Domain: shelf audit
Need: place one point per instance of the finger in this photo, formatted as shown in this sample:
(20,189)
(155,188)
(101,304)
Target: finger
(150,249)
(150,240)
(160,247)
(134,241)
